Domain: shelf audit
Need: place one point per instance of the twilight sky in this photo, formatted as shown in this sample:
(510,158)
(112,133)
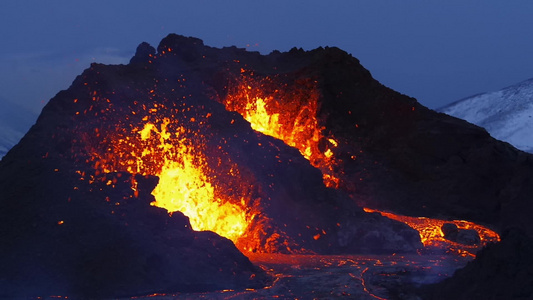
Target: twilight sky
(435,51)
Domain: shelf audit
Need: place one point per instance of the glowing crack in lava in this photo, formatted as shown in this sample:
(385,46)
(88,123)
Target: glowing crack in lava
(162,147)
(288,113)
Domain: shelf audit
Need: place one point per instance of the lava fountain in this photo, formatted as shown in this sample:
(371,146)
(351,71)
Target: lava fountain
(159,145)
(289,113)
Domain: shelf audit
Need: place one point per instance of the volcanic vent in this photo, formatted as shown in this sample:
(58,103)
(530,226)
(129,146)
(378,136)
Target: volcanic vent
(271,152)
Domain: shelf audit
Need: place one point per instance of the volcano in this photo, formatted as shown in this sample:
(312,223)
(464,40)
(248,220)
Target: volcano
(160,175)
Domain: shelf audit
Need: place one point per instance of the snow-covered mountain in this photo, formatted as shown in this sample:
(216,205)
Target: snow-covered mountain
(14,123)
(506,114)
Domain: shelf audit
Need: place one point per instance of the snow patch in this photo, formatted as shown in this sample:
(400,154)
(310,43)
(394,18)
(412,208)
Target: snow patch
(506,114)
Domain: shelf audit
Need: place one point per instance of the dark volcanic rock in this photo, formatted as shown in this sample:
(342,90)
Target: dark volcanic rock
(449,229)
(461,236)
(467,237)
(60,237)
(500,271)
(143,54)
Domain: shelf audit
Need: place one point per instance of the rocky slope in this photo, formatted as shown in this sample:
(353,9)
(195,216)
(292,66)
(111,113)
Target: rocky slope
(507,114)
(500,271)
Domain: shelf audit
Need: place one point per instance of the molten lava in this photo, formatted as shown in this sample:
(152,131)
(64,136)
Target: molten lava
(431,233)
(183,186)
(288,113)
(162,147)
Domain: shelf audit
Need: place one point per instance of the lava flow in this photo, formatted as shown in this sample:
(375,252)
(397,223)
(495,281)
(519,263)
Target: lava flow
(159,145)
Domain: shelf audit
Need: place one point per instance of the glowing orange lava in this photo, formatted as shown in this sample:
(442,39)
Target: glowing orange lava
(289,114)
(161,147)
(430,229)
(183,186)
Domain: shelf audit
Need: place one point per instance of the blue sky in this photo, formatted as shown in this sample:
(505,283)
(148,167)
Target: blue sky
(435,51)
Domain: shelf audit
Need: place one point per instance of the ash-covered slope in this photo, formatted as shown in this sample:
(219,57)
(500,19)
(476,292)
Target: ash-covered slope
(507,114)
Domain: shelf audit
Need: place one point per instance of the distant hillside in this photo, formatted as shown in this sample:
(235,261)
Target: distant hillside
(15,121)
(507,114)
